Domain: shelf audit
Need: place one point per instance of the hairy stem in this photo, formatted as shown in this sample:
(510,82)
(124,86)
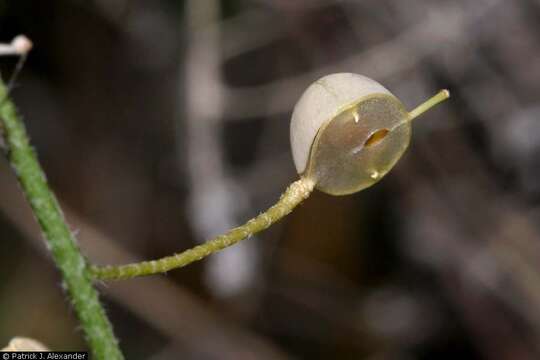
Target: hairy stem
(65,252)
(294,195)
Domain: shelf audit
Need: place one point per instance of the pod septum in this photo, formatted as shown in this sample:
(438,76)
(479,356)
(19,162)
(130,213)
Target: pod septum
(361,144)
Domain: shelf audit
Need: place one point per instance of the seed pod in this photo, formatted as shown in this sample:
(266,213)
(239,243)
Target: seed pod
(24,344)
(347,132)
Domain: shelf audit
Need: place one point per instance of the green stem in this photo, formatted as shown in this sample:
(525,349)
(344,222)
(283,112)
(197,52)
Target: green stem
(294,195)
(66,254)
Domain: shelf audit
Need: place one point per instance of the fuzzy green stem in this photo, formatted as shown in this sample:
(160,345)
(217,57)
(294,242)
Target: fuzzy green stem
(65,252)
(294,195)
(428,104)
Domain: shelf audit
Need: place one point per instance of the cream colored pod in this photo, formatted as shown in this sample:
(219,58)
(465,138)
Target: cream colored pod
(347,132)
(24,344)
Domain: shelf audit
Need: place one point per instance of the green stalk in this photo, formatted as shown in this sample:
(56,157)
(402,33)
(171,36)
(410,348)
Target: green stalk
(59,239)
(294,195)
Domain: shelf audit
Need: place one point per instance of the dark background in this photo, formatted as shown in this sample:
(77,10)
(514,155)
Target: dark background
(163,123)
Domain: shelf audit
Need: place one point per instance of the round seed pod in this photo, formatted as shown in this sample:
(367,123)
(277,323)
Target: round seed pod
(347,132)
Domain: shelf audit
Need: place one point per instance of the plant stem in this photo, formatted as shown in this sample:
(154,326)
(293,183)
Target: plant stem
(59,239)
(428,104)
(294,195)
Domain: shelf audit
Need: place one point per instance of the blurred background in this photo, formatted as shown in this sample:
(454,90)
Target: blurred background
(163,123)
